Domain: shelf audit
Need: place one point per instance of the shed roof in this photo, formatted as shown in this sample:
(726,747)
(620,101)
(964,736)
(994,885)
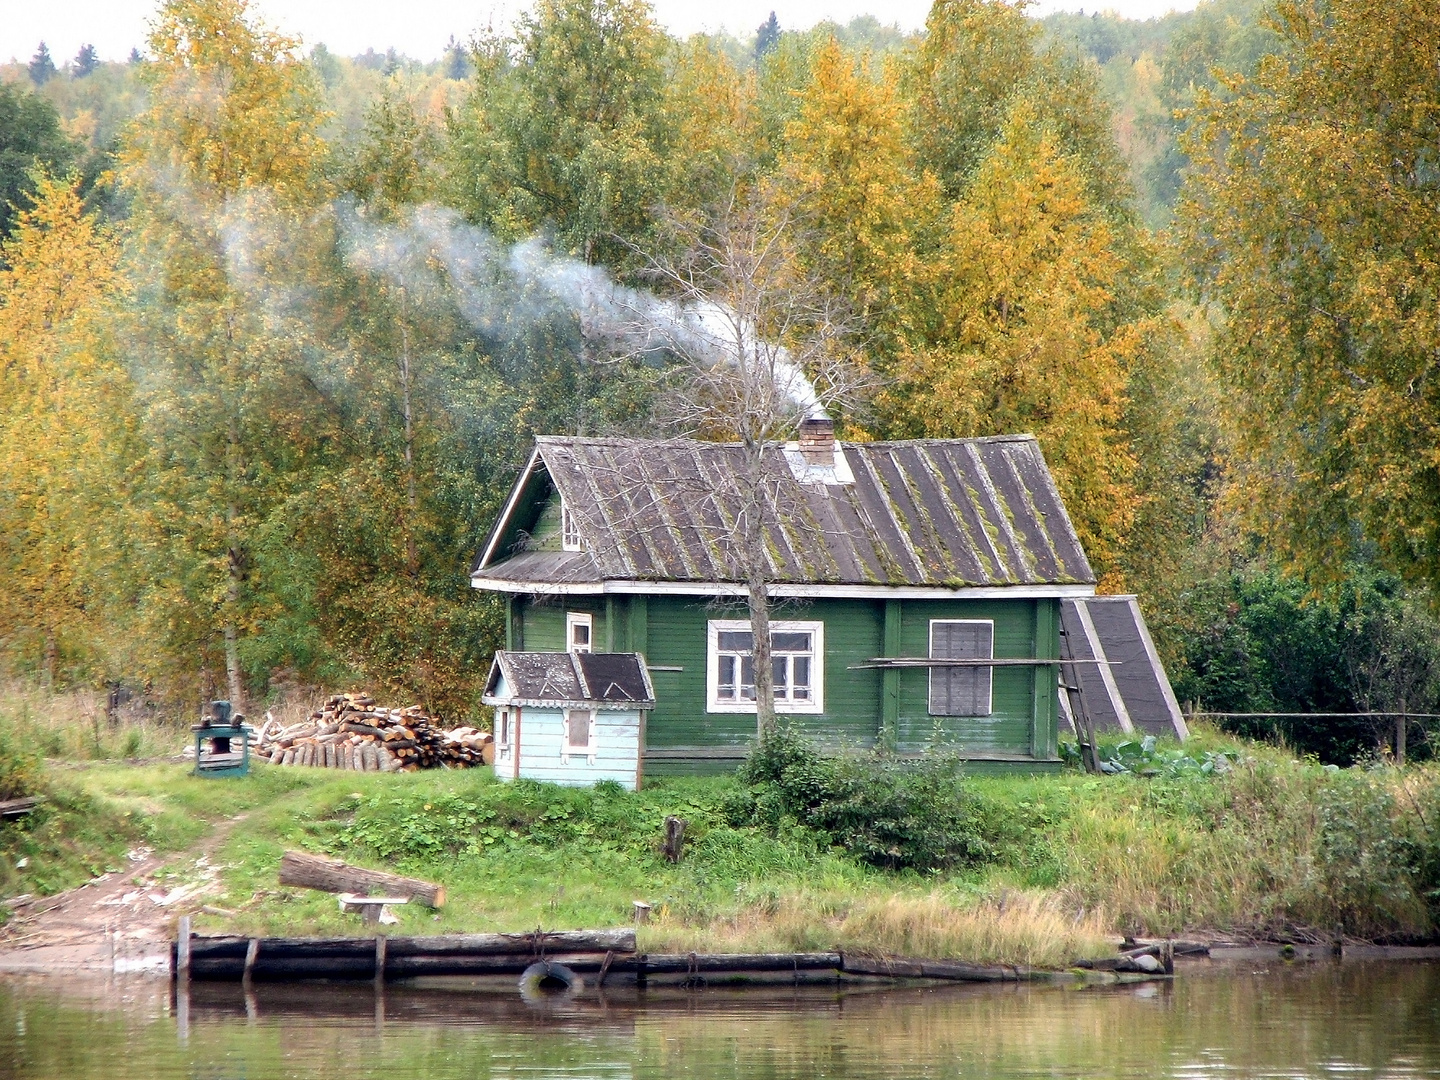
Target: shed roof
(1128,689)
(950,513)
(596,680)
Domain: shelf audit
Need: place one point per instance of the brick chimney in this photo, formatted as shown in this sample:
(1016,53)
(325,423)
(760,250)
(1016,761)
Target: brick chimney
(817,440)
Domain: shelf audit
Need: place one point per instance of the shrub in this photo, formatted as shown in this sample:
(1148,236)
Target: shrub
(892,813)
(20,768)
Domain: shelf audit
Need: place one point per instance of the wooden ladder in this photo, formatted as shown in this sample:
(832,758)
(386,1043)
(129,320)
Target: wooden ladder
(1079,711)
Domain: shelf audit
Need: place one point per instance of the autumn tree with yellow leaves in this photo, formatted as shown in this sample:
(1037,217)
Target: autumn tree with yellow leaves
(1312,220)
(64,433)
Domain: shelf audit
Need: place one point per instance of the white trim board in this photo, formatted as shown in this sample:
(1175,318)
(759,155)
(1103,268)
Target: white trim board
(509,511)
(808,592)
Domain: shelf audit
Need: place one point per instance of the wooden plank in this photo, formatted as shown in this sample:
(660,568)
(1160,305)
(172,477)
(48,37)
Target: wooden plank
(16,807)
(332,875)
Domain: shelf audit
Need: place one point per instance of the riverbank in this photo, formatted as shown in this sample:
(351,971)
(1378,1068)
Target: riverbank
(1052,869)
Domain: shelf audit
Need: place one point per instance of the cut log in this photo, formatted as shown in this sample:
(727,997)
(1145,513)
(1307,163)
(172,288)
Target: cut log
(16,807)
(332,875)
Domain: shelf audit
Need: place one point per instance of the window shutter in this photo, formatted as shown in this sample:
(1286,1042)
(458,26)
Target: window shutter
(961,691)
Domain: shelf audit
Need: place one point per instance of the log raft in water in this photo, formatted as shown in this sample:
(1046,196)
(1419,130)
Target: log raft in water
(584,952)
(332,875)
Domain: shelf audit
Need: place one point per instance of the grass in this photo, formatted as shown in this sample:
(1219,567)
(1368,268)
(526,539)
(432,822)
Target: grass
(1272,846)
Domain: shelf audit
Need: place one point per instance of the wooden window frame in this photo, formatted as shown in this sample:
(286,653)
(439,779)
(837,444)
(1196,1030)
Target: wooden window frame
(579,618)
(569,749)
(816,630)
(569,534)
(989,671)
(504,733)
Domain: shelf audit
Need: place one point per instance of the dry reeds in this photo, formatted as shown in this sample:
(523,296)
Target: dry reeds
(1027,928)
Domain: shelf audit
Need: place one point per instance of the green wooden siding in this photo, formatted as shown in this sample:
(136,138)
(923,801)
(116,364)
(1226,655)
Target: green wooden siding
(1008,728)
(543,622)
(861,705)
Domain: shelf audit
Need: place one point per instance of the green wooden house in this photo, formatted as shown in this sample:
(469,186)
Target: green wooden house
(917,587)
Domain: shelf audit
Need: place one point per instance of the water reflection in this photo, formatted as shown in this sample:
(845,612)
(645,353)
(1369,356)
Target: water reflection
(1303,1021)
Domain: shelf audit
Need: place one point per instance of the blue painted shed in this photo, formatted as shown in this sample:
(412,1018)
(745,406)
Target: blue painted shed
(571,718)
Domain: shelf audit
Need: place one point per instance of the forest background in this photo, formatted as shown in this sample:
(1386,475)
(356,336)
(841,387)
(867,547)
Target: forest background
(277,327)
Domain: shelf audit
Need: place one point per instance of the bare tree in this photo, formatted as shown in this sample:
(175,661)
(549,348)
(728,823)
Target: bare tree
(761,350)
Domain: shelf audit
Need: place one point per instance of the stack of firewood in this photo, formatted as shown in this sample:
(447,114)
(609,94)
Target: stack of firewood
(352,732)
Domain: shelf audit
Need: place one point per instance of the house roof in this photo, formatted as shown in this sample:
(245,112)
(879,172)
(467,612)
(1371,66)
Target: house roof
(946,513)
(1128,690)
(555,680)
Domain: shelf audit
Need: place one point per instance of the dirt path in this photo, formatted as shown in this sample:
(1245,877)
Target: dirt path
(120,921)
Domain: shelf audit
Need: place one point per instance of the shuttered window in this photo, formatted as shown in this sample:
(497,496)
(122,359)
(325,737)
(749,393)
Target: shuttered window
(961,691)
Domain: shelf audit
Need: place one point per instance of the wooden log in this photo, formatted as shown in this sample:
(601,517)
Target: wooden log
(908,968)
(674,838)
(332,875)
(620,940)
(360,729)
(680,963)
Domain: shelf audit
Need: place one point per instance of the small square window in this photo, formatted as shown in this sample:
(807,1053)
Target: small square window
(579,630)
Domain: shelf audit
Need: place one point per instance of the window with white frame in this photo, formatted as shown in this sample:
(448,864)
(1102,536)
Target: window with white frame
(797,663)
(569,531)
(579,735)
(962,690)
(579,631)
(502,734)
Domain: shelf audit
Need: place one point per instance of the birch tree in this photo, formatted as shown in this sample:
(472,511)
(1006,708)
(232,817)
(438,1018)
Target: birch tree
(760,348)
(224,167)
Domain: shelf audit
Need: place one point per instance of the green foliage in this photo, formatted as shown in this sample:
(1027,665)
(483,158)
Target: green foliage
(1259,641)
(1145,757)
(30,138)
(892,813)
(20,765)
(1365,859)
(564,129)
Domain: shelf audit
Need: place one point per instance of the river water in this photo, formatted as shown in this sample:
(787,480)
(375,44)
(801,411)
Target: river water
(1261,1020)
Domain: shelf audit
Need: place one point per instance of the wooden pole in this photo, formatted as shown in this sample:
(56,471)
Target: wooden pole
(379,961)
(182,952)
(252,951)
(1400,733)
(674,837)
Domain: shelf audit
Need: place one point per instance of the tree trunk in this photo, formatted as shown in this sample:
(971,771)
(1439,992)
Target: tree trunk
(332,875)
(757,587)
(234,677)
(412,558)
(47,670)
